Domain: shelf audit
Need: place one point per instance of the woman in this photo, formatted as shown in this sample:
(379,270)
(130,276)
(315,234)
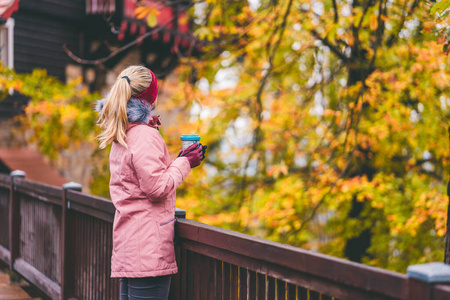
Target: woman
(142,186)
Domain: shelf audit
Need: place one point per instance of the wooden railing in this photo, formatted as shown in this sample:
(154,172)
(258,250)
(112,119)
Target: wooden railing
(60,240)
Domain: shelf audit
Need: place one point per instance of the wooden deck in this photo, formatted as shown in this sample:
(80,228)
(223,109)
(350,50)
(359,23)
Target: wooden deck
(11,291)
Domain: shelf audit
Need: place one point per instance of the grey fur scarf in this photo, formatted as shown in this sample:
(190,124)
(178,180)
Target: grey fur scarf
(137,111)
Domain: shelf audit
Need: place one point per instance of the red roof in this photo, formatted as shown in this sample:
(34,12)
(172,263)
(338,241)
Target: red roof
(7,7)
(32,163)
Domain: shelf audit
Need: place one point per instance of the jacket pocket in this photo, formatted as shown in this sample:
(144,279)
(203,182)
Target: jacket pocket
(166,233)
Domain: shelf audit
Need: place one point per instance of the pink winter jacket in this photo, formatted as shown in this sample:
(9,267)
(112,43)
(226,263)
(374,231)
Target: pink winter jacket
(142,187)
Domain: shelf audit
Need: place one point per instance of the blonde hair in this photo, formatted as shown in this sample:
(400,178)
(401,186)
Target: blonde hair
(113,117)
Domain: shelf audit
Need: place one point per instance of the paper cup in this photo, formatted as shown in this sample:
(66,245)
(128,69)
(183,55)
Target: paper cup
(189,139)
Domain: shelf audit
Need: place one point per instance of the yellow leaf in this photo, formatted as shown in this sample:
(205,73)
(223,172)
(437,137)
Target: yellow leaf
(373,22)
(151,19)
(350,39)
(204,33)
(183,20)
(155,11)
(141,12)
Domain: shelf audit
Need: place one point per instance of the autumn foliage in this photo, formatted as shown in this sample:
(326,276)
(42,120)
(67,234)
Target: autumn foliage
(328,127)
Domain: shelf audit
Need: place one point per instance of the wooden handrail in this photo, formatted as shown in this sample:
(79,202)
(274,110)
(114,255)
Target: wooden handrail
(441,292)
(97,207)
(260,255)
(39,191)
(5,181)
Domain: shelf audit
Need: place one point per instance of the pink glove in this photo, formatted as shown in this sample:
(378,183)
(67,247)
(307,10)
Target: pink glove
(194,153)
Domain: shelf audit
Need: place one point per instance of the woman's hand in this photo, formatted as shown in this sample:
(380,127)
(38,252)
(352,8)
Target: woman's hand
(195,153)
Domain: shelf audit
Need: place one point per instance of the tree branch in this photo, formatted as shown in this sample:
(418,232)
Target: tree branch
(327,43)
(336,16)
(406,12)
(349,157)
(257,132)
(125,47)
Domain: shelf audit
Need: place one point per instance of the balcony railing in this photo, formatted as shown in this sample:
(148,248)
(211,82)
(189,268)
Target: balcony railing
(60,240)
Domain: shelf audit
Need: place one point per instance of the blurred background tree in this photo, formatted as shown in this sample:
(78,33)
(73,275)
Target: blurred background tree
(326,123)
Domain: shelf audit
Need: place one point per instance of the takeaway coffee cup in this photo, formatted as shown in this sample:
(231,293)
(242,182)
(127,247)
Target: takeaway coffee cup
(189,139)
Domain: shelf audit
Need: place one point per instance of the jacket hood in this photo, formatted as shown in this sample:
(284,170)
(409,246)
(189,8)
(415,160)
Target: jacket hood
(138,111)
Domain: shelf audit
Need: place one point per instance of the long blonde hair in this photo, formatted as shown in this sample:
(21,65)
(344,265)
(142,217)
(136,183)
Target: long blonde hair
(113,117)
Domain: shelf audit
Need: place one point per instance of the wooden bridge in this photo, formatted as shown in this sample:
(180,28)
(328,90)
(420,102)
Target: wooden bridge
(60,240)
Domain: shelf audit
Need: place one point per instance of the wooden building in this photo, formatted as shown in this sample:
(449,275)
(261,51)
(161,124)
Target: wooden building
(33,33)
(40,30)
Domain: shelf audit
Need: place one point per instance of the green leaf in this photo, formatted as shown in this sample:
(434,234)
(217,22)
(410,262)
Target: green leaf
(440,7)
(204,33)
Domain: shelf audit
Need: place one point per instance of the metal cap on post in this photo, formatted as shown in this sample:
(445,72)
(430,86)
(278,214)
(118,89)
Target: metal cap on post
(180,213)
(430,272)
(423,277)
(18,173)
(72,186)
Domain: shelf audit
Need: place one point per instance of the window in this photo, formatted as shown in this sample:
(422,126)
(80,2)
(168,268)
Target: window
(7,43)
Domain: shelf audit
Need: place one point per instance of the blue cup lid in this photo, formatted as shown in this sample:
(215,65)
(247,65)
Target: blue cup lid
(190,137)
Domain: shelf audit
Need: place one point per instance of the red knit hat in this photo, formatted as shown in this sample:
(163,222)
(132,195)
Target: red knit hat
(151,92)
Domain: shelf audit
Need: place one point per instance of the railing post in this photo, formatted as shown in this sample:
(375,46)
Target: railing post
(175,287)
(67,252)
(423,278)
(180,213)
(14,219)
